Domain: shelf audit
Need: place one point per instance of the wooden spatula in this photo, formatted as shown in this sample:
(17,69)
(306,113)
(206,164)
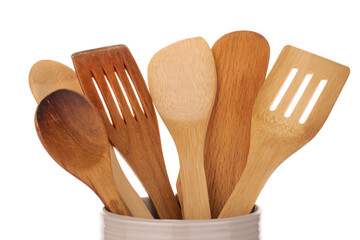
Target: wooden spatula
(182,82)
(281,123)
(112,80)
(47,76)
(72,132)
(241,60)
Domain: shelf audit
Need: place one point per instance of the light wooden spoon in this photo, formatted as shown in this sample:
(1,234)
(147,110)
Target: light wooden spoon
(47,76)
(72,132)
(279,127)
(241,60)
(182,83)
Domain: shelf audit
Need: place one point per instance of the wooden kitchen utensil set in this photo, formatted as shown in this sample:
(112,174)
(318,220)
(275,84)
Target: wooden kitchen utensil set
(231,126)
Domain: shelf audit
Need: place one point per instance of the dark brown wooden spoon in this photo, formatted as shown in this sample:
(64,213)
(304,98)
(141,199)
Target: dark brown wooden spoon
(72,132)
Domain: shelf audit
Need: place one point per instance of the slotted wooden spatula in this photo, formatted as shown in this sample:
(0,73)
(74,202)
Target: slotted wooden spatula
(112,80)
(299,84)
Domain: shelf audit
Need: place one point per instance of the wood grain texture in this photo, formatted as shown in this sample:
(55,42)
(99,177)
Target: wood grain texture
(182,82)
(72,132)
(275,137)
(129,196)
(179,193)
(47,76)
(133,129)
(241,60)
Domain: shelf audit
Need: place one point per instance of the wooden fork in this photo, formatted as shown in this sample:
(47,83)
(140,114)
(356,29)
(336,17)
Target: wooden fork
(112,80)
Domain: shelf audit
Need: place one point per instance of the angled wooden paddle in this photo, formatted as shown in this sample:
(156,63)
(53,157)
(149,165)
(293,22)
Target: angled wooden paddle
(290,109)
(182,82)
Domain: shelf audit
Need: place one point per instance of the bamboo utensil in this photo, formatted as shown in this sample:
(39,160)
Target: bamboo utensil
(182,82)
(72,132)
(241,60)
(47,76)
(112,80)
(281,123)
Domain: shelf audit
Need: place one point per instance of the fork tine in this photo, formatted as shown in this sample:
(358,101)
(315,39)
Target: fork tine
(139,82)
(106,94)
(120,70)
(85,73)
(110,74)
(89,88)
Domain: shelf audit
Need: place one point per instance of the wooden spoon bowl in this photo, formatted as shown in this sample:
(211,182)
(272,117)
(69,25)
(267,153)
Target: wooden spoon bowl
(72,132)
(47,76)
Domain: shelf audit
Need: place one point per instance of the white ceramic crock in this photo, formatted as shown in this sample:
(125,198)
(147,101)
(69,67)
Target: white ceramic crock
(117,227)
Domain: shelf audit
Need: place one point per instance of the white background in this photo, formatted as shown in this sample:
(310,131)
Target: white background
(313,195)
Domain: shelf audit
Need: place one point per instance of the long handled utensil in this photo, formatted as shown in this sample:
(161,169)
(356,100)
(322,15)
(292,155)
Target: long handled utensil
(290,109)
(112,80)
(72,132)
(241,60)
(47,76)
(182,82)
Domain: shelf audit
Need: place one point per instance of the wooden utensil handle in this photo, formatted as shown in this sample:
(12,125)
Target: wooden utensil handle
(244,196)
(151,171)
(194,188)
(131,199)
(108,193)
(252,180)
(179,193)
(168,208)
(195,197)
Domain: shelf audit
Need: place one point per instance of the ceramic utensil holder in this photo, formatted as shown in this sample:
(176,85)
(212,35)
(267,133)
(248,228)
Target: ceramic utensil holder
(117,227)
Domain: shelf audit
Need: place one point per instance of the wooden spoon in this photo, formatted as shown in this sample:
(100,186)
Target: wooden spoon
(73,133)
(182,82)
(47,76)
(241,60)
(276,132)
(111,76)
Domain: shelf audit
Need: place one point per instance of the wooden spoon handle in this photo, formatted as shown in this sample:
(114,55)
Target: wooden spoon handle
(195,199)
(130,197)
(104,186)
(260,166)
(195,194)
